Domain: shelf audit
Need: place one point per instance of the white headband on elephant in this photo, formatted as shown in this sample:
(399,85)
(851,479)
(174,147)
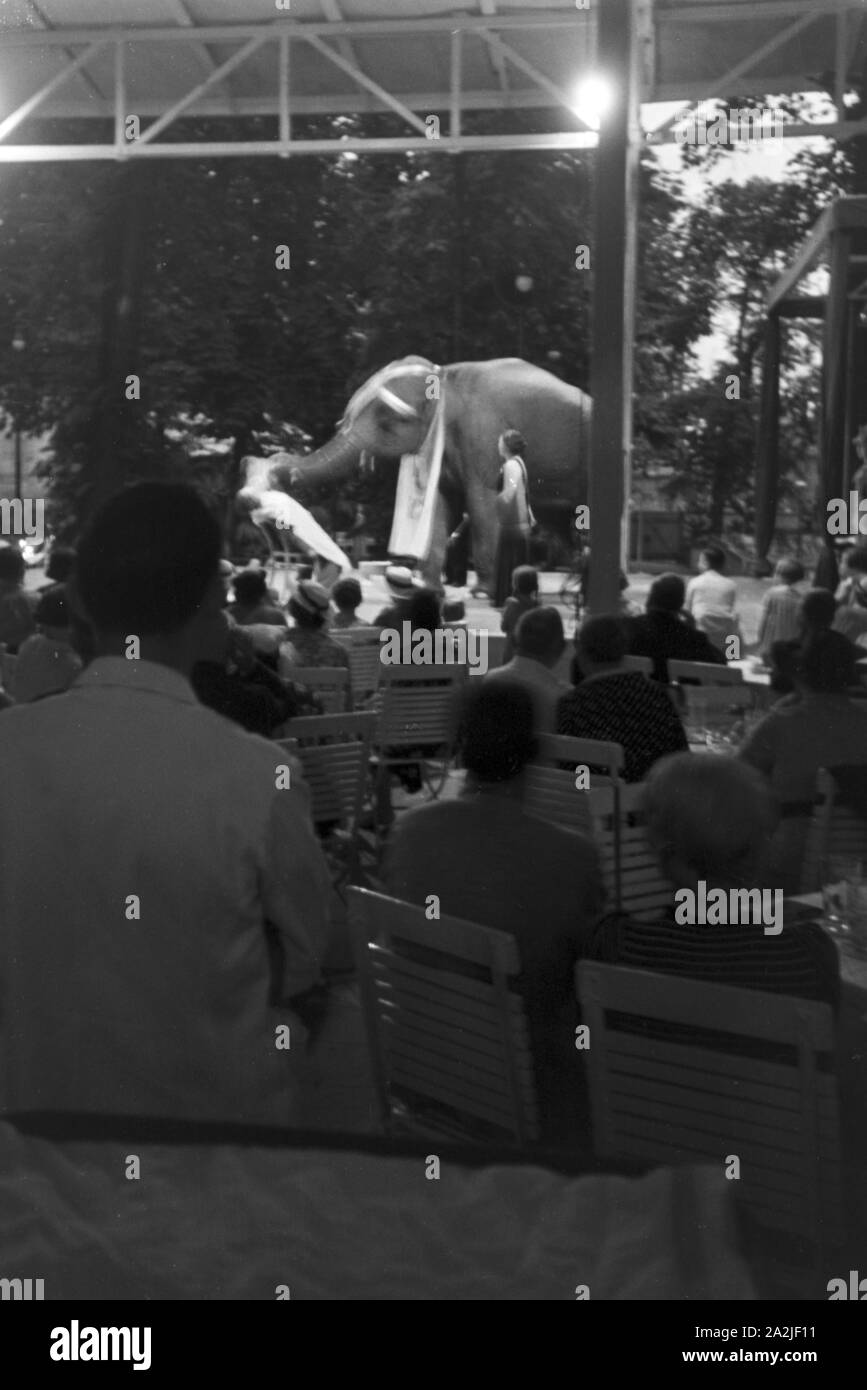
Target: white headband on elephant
(377,386)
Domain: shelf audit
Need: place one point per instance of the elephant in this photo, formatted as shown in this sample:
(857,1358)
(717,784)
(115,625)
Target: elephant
(391,414)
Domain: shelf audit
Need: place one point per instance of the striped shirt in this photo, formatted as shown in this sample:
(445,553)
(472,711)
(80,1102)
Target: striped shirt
(801,961)
(780,619)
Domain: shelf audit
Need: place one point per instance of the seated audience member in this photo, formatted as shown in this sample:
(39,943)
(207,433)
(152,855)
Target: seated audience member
(47,662)
(401,585)
(851,618)
(539,645)
(489,862)
(235,683)
(346,595)
(664,634)
(61,563)
(253,603)
(17,605)
(823,728)
(780,618)
(180,917)
(525,595)
(618,706)
(711,599)
(852,561)
(709,820)
(307,642)
(424,611)
(818,608)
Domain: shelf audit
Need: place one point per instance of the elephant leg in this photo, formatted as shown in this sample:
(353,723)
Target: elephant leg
(481,505)
(432,565)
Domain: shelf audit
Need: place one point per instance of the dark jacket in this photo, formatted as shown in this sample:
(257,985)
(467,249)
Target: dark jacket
(667,637)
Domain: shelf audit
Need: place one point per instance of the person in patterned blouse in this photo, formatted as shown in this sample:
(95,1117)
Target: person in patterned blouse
(618,706)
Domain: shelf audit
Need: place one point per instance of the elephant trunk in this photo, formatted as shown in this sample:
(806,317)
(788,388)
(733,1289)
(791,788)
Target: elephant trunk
(333,461)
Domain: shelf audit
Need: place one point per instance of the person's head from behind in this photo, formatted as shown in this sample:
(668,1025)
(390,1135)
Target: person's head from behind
(539,635)
(853,561)
(666,594)
(309,605)
(61,563)
(346,595)
(818,607)
(713,557)
(788,572)
(525,582)
(497,739)
(149,567)
(600,644)
(251,588)
(12,567)
(825,664)
(708,818)
(423,611)
(512,444)
(53,614)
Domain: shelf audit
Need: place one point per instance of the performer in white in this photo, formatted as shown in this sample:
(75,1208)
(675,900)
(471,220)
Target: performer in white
(271,507)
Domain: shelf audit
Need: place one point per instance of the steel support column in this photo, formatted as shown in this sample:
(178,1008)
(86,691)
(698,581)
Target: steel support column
(613,261)
(767,443)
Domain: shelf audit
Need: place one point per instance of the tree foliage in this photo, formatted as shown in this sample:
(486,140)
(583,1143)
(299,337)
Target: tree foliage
(387,256)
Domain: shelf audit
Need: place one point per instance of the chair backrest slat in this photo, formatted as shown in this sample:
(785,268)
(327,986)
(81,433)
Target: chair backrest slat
(365,659)
(447,1031)
(683,1069)
(420,705)
(330,684)
(334,751)
(631,873)
(550,791)
(704,673)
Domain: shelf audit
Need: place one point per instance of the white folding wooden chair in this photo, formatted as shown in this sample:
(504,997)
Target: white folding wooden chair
(365,664)
(682,1070)
(633,879)
(550,791)
(448,1035)
(330,684)
(704,673)
(334,751)
(420,710)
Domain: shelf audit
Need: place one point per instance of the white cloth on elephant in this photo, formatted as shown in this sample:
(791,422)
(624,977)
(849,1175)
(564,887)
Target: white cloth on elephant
(286,514)
(417,492)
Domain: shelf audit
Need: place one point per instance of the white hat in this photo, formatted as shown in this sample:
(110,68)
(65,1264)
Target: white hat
(401,581)
(312,596)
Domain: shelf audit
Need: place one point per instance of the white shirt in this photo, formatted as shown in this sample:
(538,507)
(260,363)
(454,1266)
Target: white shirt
(125,788)
(711,599)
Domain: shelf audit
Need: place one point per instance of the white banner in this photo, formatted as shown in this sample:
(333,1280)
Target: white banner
(417,486)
